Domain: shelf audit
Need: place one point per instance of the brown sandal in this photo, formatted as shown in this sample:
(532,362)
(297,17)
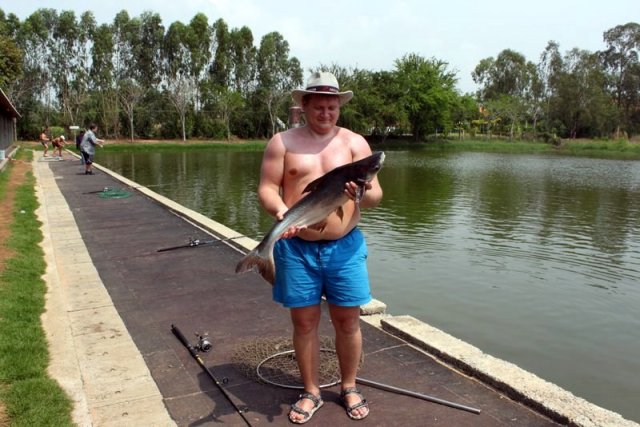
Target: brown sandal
(362,404)
(317,404)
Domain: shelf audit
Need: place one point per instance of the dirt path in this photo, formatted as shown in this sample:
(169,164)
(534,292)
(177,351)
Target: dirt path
(17,178)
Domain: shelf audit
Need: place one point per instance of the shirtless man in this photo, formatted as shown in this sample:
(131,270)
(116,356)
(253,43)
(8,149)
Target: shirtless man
(44,140)
(58,143)
(292,159)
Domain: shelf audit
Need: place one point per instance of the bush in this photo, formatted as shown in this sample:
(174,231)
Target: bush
(552,139)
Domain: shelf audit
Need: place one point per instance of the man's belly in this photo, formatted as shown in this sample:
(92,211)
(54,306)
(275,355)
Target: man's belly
(337,225)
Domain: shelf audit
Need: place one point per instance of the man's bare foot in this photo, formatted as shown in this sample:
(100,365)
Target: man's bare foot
(304,408)
(356,405)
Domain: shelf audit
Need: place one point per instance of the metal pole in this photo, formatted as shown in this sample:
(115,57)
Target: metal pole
(417,395)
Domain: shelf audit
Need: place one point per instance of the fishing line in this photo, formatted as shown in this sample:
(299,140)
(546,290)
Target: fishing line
(272,361)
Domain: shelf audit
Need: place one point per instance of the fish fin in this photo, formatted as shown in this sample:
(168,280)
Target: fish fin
(320,226)
(314,184)
(265,266)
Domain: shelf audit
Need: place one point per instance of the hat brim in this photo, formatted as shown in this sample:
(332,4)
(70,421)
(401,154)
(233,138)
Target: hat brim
(298,94)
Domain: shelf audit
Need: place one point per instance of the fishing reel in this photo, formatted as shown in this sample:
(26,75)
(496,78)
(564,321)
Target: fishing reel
(193,242)
(203,344)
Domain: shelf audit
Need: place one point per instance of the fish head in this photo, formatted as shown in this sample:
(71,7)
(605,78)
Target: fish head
(368,167)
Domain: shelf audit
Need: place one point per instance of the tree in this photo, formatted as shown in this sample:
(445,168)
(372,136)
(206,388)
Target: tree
(103,78)
(580,104)
(621,61)
(147,49)
(130,93)
(36,38)
(10,61)
(427,94)
(277,74)
(507,88)
(198,41)
(180,90)
(242,61)
(549,72)
(71,62)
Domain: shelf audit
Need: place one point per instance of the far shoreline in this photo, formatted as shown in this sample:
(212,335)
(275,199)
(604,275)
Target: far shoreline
(621,149)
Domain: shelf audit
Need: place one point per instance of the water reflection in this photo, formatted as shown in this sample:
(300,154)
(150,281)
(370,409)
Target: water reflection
(532,258)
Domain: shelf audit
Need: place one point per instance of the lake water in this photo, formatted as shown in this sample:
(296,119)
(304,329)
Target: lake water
(534,259)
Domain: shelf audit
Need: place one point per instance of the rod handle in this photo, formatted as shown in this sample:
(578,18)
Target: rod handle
(178,333)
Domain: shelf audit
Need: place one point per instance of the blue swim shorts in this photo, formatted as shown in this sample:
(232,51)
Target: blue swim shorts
(337,269)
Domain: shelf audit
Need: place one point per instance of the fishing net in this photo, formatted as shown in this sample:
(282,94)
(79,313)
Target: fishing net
(114,193)
(272,360)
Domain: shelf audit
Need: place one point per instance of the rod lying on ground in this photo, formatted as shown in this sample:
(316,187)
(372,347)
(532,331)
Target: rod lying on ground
(417,395)
(194,353)
(104,190)
(197,242)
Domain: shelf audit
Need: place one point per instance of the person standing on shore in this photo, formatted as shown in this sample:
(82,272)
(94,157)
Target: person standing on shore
(88,148)
(44,140)
(312,262)
(78,142)
(57,144)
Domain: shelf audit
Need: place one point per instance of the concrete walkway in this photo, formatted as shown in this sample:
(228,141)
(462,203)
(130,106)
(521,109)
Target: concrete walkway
(112,297)
(92,355)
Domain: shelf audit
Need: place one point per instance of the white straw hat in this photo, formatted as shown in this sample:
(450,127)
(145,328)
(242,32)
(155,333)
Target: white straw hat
(322,83)
(62,137)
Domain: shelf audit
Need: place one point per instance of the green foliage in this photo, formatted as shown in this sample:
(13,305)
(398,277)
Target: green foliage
(56,131)
(427,94)
(10,61)
(133,77)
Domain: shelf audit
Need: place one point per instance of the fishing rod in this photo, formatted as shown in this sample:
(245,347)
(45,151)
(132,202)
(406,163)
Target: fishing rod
(197,242)
(205,345)
(105,189)
(416,395)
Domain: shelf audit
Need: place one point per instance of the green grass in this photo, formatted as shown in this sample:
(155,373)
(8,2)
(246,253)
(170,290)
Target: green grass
(593,148)
(620,149)
(31,398)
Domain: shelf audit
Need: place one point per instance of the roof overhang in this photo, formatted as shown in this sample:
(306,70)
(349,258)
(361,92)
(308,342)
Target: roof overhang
(6,106)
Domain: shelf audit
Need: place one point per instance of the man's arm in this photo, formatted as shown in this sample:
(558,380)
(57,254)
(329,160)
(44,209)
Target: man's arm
(271,175)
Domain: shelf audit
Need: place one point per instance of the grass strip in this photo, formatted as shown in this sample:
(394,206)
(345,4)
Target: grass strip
(121,146)
(30,397)
(609,149)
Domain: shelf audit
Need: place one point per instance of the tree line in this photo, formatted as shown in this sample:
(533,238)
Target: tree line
(136,78)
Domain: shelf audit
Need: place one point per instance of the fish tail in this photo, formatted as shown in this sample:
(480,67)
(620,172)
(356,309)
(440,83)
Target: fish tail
(265,265)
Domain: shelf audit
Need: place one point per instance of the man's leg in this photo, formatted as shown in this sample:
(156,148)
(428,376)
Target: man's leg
(307,346)
(346,321)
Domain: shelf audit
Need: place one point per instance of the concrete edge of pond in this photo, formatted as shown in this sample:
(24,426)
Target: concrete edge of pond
(518,384)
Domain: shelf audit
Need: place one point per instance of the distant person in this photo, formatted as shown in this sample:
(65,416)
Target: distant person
(88,148)
(44,140)
(78,142)
(57,144)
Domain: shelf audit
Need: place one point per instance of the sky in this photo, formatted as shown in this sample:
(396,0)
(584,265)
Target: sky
(373,34)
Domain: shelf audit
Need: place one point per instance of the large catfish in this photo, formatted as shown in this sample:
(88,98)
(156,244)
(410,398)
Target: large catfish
(326,194)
